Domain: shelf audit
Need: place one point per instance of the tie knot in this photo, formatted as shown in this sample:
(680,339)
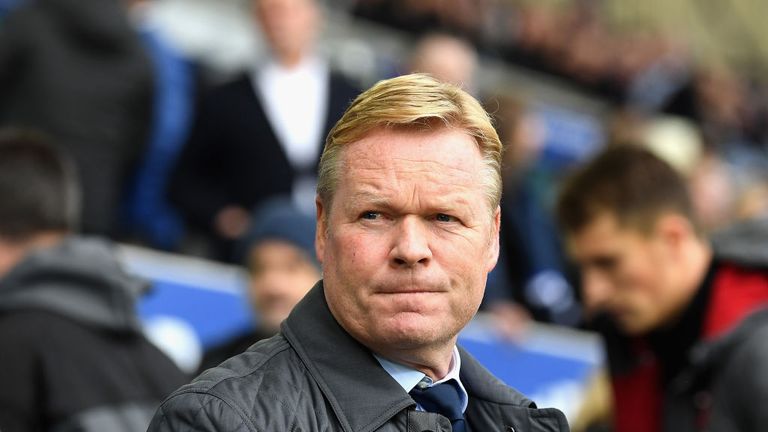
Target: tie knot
(441,398)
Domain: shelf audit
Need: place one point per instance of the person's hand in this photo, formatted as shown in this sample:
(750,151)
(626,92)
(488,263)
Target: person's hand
(231,222)
(510,320)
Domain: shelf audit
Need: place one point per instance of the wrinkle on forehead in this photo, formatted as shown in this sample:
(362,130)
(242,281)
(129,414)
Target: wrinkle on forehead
(398,171)
(375,155)
(449,184)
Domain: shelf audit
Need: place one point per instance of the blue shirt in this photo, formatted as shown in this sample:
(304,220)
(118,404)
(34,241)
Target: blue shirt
(408,378)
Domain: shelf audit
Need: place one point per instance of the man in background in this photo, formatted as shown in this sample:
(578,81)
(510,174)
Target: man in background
(684,324)
(77,70)
(261,135)
(73,354)
(448,58)
(279,253)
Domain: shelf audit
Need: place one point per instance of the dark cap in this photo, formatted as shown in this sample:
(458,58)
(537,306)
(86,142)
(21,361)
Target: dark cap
(279,219)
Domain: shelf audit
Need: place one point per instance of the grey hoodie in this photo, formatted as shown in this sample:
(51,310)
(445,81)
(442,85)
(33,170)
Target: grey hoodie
(80,279)
(72,356)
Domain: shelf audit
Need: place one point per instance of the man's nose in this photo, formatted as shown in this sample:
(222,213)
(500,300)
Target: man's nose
(597,291)
(411,243)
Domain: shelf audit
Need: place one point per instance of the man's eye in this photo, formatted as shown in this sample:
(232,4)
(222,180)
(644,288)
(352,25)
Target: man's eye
(442,217)
(370,215)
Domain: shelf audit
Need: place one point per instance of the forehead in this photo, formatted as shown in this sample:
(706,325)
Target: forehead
(444,160)
(602,235)
(266,4)
(273,250)
(400,149)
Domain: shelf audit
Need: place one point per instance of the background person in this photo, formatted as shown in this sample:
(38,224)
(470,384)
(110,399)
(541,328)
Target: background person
(261,134)
(73,354)
(78,71)
(684,326)
(279,254)
(447,58)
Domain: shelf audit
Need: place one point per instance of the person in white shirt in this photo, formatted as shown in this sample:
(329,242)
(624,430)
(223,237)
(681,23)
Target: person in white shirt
(261,134)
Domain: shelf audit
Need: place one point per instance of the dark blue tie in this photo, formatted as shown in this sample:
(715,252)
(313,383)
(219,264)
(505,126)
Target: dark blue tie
(442,399)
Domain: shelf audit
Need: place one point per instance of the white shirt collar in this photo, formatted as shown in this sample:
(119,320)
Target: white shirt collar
(408,377)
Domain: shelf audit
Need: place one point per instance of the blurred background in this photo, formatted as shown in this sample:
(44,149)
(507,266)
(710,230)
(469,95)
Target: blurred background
(184,116)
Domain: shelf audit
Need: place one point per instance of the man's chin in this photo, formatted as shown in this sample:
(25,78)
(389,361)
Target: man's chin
(625,323)
(271,324)
(410,334)
(632,327)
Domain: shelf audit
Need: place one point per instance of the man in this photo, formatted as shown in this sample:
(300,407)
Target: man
(76,69)
(407,231)
(261,134)
(146,215)
(447,58)
(73,355)
(685,325)
(280,257)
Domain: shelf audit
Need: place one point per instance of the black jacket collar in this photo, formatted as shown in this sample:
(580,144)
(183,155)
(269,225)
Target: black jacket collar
(346,370)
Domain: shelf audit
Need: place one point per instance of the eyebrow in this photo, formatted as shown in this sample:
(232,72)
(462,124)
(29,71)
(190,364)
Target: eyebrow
(369,198)
(375,200)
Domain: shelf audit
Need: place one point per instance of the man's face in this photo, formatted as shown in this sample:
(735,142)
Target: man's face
(288,25)
(410,238)
(625,273)
(281,274)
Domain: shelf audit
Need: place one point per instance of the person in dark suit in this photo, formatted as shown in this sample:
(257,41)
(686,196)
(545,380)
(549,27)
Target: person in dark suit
(261,134)
(407,231)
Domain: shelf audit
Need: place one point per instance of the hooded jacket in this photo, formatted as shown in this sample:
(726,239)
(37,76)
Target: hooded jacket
(73,355)
(313,376)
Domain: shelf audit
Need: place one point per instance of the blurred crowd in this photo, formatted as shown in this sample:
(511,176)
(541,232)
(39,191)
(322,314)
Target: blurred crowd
(645,69)
(164,141)
(175,155)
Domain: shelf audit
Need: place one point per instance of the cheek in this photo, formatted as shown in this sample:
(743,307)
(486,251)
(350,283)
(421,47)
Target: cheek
(352,255)
(640,267)
(466,268)
(470,262)
(301,283)
(347,251)
(641,283)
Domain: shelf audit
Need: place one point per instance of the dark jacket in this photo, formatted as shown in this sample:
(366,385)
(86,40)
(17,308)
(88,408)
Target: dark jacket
(706,373)
(313,376)
(233,156)
(232,347)
(72,353)
(726,384)
(76,70)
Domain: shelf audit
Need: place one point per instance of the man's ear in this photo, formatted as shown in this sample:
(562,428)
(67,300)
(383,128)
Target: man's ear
(674,230)
(493,247)
(320,229)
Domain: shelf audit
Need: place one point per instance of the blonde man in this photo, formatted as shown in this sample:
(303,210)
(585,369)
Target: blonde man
(407,231)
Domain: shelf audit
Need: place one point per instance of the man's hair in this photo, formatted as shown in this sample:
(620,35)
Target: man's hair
(628,182)
(415,102)
(38,187)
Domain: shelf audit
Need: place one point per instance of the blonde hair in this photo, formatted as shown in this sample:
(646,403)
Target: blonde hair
(418,102)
